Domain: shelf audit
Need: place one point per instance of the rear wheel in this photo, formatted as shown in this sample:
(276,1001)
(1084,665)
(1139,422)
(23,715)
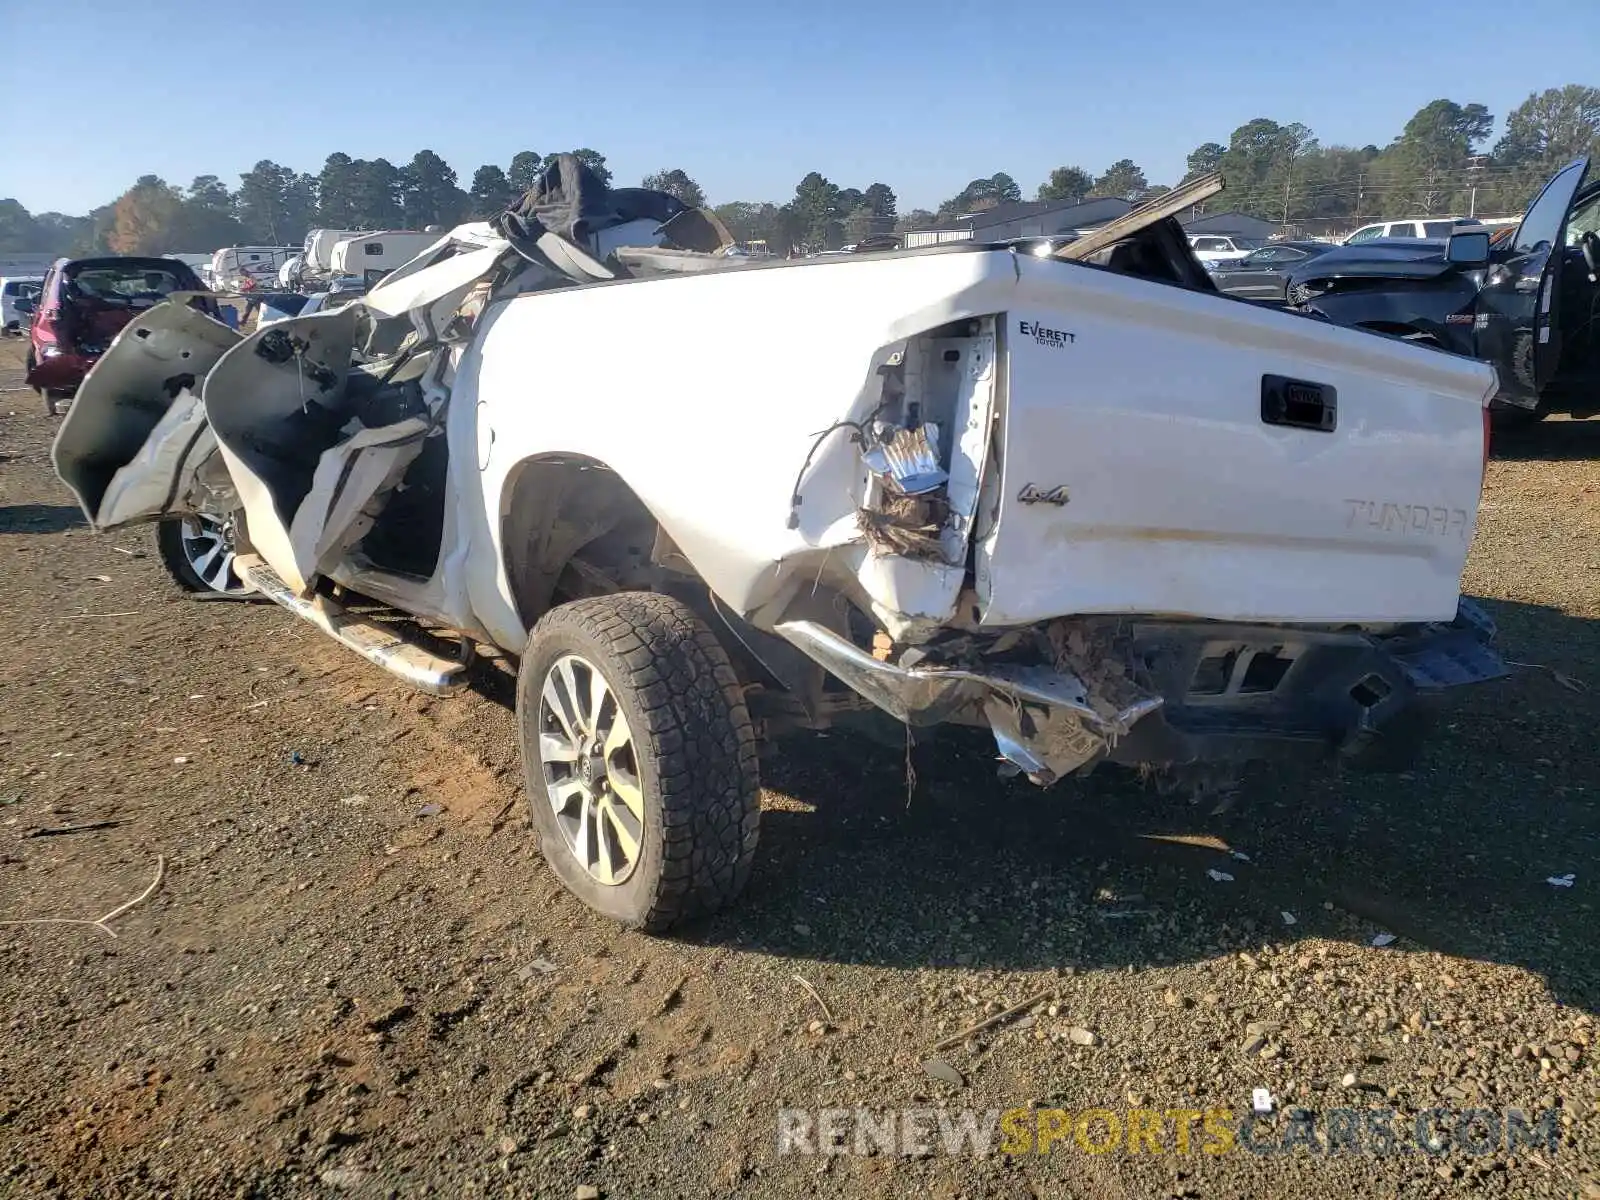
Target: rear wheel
(640,758)
(198,553)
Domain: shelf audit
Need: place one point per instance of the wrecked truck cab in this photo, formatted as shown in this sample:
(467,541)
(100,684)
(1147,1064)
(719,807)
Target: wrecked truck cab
(1081,501)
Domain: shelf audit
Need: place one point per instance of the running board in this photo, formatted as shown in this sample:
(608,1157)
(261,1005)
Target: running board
(375,642)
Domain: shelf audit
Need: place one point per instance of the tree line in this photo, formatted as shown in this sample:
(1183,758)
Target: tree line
(1438,164)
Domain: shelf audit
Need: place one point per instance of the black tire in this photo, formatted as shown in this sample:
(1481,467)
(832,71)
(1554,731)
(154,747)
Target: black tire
(693,749)
(174,557)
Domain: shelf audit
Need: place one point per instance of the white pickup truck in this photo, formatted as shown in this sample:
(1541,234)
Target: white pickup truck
(1083,501)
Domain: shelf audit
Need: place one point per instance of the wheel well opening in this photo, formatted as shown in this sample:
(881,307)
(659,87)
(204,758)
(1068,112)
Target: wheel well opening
(569,527)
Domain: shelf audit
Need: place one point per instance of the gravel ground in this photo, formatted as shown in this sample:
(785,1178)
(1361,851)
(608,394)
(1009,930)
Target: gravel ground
(357,978)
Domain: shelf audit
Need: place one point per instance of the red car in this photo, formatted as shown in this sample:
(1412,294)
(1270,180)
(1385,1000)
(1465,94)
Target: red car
(84,303)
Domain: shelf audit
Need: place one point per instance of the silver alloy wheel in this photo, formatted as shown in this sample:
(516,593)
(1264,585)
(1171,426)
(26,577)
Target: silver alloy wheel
(208,547)
(591,772)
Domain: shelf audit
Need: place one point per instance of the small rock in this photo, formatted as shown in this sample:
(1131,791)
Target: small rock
(1254,1027)
(1446,1171)
(1053,1011)
(1249,962)
(509,1145)
(1172,999)
(1254,1046)
(1080,1036)
(343,1178)
(586,1191)
(356,801)
(583,1112)
(944,1072)
(1349,1080)
(817,1028)
(802,929)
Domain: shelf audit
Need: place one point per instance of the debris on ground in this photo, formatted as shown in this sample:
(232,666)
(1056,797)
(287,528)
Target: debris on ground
(944,1072)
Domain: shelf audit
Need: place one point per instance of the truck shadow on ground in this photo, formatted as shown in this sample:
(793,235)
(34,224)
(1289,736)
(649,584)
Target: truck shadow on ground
(1556,439)
(966,869)
(39,518)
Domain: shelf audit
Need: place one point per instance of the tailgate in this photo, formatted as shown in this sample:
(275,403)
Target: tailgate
(1190,455)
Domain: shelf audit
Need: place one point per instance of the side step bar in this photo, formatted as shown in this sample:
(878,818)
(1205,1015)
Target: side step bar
(377,643)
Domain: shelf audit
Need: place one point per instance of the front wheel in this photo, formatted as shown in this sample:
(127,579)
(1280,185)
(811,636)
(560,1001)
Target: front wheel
(640,758)
(198,553)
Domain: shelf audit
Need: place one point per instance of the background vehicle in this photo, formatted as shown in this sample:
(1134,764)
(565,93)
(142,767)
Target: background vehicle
(371,256)
(84,303)
(261,263)
(1169,568)
(1263,274)
(12,289)
(1410,227)
(1528,302)
(316,256)
(1215,247)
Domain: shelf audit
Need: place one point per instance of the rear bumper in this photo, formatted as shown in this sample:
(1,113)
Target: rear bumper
(61,372)
(1365,698)
(1165,693)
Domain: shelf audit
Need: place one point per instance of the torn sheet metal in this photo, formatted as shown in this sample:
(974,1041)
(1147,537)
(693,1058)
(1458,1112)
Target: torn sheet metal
(351,481)
(159,479)
(273,402)
(161,354)
(429,285)
(1045,719)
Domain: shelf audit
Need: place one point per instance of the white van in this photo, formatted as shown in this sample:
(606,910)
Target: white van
(230,265)
(12,289)
(371,256)
(1413,227)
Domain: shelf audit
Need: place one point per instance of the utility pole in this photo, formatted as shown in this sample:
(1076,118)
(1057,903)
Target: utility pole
(1474,165)
(1361,180)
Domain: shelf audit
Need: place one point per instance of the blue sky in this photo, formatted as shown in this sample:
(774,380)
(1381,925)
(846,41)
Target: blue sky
(747,98)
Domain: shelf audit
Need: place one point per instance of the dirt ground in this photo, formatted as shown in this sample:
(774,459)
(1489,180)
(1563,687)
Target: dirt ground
(356,976)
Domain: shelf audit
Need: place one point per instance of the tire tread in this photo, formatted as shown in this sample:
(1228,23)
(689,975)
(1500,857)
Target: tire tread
(698,733)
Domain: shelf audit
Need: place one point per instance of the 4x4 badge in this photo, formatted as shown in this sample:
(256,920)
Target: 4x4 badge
(1033,494)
